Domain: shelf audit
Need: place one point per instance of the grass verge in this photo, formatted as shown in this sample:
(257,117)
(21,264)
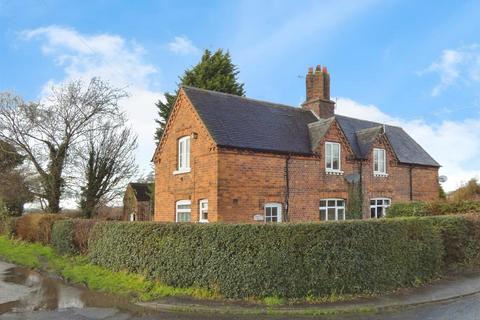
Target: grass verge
(77,270)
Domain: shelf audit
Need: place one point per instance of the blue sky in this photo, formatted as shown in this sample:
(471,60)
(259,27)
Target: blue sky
(411,63)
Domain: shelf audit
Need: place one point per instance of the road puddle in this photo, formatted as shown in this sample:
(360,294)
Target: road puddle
(39,292)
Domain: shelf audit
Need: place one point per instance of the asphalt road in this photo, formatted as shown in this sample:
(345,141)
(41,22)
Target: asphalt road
(26,295)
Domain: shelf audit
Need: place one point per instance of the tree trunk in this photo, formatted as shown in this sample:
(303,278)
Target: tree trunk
(54,181)
(53,192)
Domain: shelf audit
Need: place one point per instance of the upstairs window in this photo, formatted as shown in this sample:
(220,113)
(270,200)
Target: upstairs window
(203,210)
(379,160)
(273,212)
(378,207)
(332,157)
(332,209)
(183,211)
(184,154)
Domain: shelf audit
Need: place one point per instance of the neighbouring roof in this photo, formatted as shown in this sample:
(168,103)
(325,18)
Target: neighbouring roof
(244,123)
(142,190)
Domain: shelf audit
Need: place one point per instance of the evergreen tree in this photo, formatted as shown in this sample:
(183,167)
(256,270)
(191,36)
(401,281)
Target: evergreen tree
(214,72)
(14,190)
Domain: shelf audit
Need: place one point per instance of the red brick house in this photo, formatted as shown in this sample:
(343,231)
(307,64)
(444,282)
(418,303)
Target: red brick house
(234,159)
(137,202)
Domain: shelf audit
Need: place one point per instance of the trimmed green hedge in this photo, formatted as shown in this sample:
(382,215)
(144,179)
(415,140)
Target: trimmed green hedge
(285,260)
(421,209)
(460,239)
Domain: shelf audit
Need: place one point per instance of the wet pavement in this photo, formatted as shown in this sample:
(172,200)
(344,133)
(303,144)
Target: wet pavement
(26,294)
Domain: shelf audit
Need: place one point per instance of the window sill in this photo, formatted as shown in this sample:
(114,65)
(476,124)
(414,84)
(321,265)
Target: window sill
(203,221)
(182,171)
(334,172)
(380,174)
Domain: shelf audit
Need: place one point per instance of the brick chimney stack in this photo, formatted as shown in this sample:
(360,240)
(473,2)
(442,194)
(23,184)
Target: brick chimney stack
(318,93)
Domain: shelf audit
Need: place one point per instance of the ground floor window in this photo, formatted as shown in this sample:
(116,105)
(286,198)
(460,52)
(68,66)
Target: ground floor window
(133,217)
(273,212)
(378,207)
(183,211)
(203,210)
(332,209)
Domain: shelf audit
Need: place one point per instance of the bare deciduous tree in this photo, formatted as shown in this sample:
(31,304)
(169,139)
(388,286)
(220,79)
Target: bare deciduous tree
(107,163)
(45,132)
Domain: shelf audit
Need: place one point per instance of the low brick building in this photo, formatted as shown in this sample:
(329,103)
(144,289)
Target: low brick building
(137,202)
(234,159)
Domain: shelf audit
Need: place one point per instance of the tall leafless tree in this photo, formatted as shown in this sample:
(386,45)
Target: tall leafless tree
(107,163)
(45,132)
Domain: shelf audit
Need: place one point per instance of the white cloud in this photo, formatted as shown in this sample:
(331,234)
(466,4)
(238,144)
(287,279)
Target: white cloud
(182,45)
(453,65)
(454,144)
(111,58)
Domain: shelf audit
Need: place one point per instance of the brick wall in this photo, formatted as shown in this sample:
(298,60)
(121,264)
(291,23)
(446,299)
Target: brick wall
(237,183)
(141,209)
(201,182)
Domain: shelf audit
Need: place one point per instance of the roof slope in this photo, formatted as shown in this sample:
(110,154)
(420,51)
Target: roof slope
(142,190)
(366,138)
(240,122)
(406,149)
(318,130)
(252,124)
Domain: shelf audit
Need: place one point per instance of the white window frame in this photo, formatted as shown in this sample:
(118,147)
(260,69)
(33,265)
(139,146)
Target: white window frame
(335,206)
(183,210)
(183,155)
(202,208)
(378,160)
(276,205)
(330,157)
(132,217)
(385,204)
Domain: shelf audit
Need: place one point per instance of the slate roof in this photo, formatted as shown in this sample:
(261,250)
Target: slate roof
(317,131)
(406,149)
(366,138)
(240,122)
(246,123)
(142,190)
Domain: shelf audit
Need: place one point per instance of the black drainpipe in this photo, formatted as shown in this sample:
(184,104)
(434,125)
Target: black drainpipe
(361,188)
(411,184)
(287,189)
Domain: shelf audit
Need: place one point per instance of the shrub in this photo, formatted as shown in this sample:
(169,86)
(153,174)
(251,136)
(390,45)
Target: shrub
(420,209)
(408,209)
(7,225)
(3,222)
(36,227)
(285,261)
(11,227)
(82,229)
(461,240)
(71,236)
(62,237)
